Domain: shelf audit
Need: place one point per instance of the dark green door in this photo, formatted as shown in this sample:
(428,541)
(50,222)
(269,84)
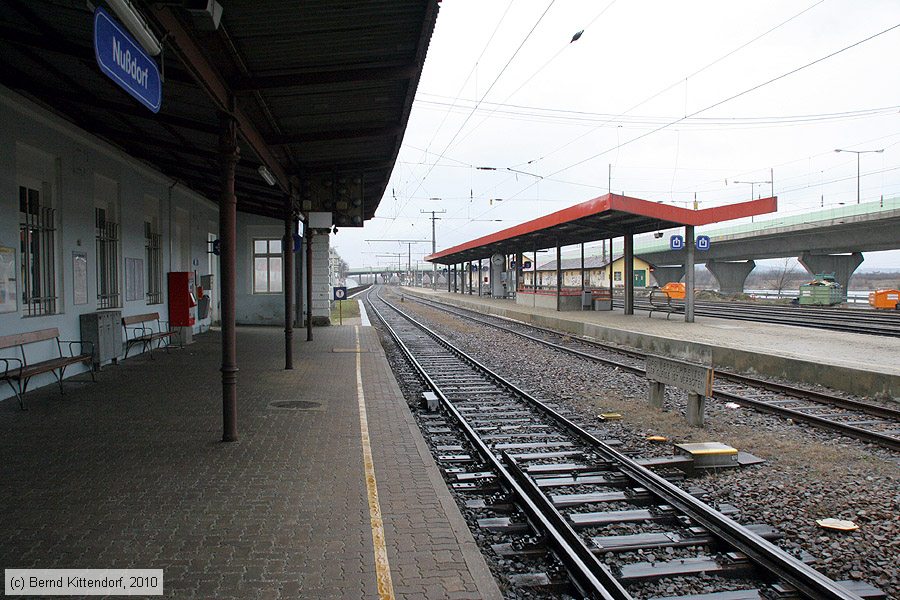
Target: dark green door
(640,278)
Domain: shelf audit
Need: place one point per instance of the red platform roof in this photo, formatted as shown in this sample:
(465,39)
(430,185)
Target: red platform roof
(602,218)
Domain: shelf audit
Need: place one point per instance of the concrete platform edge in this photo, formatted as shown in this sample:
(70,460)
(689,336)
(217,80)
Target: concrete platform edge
(854,381)
(481,573)
(478,568)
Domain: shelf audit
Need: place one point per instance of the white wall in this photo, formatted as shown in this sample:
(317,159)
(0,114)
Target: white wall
(37,146)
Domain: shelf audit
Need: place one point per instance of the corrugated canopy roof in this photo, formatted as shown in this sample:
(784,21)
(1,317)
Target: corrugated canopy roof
(323,89)
(602,218)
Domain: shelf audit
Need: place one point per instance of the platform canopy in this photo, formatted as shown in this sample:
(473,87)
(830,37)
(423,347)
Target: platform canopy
(602,218)
(321,91)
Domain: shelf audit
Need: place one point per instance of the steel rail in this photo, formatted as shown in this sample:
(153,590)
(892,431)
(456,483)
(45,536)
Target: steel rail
(588,572)
(848,430)
(889,329)
(774,560)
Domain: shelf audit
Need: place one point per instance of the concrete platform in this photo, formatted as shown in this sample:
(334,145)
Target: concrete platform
(129,472)
(856,363)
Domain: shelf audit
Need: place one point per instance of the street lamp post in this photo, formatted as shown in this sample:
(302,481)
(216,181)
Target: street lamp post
(753,185)
(857,153)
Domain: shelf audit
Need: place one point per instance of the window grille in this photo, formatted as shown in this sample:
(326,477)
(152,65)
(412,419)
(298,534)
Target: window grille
(37,236)
(107,261)
(153,245)
(267,266)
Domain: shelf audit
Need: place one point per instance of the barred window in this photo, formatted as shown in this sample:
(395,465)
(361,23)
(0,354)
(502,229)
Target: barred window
(37,238)
(267,266)
(153,245)
(108,295)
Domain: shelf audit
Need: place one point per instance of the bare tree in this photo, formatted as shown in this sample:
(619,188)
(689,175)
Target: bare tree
(784,274)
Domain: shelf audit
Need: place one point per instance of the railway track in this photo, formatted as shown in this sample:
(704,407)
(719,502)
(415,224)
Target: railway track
(836,319)
(598,511)
(868,422)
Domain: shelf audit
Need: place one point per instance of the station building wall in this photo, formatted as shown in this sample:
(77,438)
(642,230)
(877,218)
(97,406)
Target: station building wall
(66,170)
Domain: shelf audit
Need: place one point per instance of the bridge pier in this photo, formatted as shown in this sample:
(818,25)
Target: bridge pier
(669,274)
(730,275)
(842,265)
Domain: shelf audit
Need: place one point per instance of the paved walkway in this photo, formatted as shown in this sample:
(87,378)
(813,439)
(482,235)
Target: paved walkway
(129,472)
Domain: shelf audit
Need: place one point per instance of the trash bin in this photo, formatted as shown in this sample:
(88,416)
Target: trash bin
(587,301)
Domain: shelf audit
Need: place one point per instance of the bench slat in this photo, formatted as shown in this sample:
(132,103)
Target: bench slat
(46,366)
(17,339)
(140,318)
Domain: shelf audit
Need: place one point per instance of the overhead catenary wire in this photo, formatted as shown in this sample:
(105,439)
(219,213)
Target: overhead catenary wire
(483,96)
(723,101)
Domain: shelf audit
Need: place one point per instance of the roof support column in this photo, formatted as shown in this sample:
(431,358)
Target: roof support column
(480,278)
(309,269)
(469,275)
(229,154)
(558,273)
(582,266)
(629,273)
(519,267)
(298,278)
(287,246)
(448,279)
(455,279)
(689,274)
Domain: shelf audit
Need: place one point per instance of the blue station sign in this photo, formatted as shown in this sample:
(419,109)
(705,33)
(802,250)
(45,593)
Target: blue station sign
(125,62)
(703,242)
(676,242)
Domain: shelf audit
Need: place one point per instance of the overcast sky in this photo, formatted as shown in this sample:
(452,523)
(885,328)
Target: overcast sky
(503,87)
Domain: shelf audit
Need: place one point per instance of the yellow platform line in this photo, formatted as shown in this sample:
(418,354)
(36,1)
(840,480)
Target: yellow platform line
(382,566)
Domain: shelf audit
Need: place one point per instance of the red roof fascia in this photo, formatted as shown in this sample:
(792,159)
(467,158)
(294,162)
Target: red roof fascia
(615,202)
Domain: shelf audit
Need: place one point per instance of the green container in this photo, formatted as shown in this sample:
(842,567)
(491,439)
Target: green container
(824,291)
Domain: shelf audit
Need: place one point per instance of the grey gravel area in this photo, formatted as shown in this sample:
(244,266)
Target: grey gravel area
(808,474)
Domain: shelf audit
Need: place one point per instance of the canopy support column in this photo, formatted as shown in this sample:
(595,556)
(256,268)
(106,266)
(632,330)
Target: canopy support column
(558,273)
(582,267)
(480,278)
(628,274)
(287,247)
(689,274)
(229,154)
(309,270)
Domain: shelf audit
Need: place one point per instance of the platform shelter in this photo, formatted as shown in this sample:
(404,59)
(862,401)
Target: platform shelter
(604,218)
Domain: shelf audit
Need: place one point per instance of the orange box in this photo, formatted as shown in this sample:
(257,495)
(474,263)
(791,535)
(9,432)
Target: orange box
(674,290)
(889,299)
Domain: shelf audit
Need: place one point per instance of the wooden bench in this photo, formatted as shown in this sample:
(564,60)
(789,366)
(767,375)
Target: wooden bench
(139,330)
(660,301)
(17,372)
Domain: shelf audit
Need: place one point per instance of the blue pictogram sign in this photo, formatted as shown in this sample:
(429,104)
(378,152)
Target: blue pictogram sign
(676,242)
(702,242)
(340,293)
(125,62)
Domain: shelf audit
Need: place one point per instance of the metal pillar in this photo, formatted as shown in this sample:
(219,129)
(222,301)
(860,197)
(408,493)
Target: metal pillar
(519,259)
(582,266)
(689,274)
(628,274)
(448,279)
(455,279)
(469,275)
(288,248)
(230,154)
(480,278)
(558,273)
(610,267)
(309,269)
(298,277)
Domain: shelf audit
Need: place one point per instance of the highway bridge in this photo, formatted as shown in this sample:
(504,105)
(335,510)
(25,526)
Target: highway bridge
(824,241)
